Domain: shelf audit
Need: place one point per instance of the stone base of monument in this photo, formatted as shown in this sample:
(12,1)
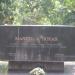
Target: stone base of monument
(26,66)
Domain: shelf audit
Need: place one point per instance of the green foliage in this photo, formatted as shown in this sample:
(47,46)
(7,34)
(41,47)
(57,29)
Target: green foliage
(70,18)
(3,68)
(37,12)
(9,12)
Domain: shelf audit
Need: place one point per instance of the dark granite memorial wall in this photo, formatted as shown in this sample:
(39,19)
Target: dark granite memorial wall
(27,47)
(37,43)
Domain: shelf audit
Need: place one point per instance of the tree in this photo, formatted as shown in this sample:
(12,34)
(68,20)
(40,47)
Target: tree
(9,12)
(37,12)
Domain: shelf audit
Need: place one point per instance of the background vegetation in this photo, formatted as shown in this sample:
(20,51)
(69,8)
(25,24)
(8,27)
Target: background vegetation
(3,68)
(37,12)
